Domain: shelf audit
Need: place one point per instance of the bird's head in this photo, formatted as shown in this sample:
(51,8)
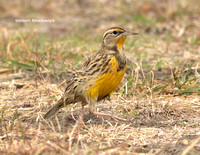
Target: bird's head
(114,37)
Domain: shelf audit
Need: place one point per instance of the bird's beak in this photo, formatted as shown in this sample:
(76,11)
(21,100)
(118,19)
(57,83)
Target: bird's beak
(128,33)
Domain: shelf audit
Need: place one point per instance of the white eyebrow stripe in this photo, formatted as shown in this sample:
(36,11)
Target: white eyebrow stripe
(108,32)
(111,30)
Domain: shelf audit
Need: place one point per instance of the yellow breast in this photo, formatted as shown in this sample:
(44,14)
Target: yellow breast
(108,82)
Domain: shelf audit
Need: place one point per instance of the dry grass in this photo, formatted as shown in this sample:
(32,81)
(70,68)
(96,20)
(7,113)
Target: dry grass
(159,95)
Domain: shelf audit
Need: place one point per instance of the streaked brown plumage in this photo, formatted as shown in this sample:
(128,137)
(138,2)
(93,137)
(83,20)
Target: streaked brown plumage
(100,75)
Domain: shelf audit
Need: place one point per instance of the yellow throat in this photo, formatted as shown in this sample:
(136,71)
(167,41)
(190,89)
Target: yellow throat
(120,42)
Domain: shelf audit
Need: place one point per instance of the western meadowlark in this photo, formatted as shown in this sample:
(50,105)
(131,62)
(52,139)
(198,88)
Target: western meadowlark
(100,75)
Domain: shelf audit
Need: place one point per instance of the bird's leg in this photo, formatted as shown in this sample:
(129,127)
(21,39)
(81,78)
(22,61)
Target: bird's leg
(91,110)
(80,120)
(82,114)
(78,125)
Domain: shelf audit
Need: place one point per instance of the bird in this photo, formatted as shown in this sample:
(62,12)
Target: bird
(100,75)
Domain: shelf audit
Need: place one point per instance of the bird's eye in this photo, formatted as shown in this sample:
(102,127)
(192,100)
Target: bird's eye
(114,32)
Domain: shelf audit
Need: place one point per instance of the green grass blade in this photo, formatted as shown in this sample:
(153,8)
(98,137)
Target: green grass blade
(20,65)
(189,90)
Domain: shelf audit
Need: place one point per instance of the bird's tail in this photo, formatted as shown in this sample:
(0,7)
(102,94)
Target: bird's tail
(53,110)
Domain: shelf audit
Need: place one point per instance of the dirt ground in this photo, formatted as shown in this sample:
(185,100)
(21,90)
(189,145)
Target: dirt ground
(159,95)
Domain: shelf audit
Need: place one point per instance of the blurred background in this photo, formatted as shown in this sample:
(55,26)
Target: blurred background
(73,15)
